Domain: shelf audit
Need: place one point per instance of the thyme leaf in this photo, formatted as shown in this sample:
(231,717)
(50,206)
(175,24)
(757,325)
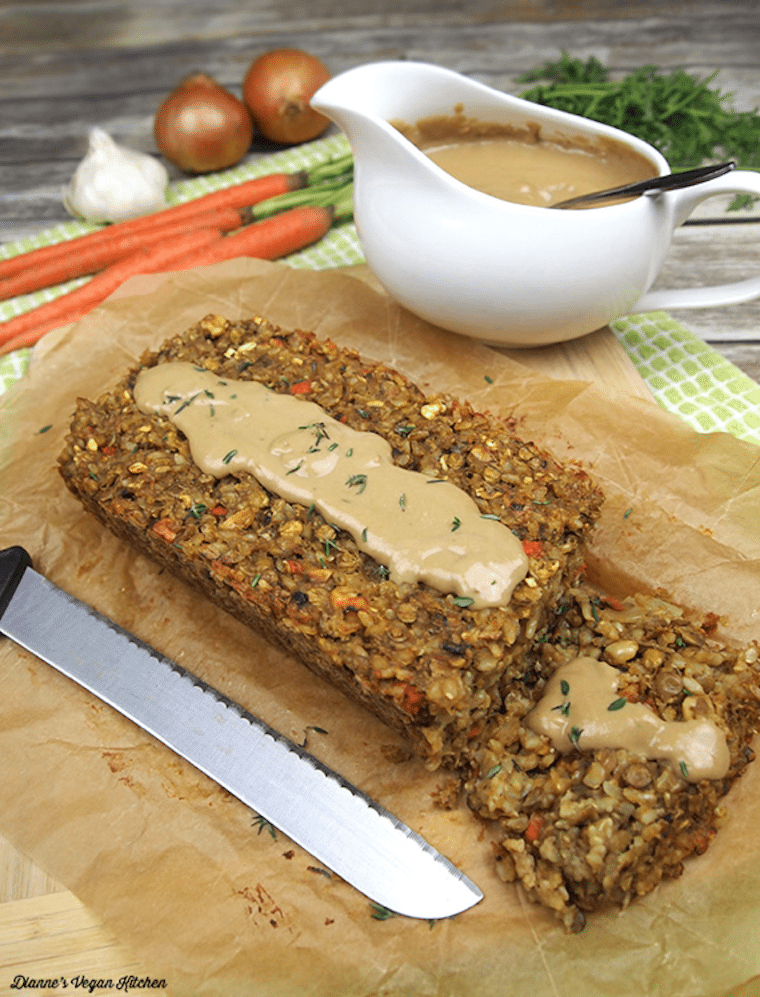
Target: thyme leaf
(187,401)
(319,871)
(317,730)
(263,824)
(380,913)
(357,481)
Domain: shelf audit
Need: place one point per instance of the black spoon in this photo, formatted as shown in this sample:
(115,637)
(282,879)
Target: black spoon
(671,181)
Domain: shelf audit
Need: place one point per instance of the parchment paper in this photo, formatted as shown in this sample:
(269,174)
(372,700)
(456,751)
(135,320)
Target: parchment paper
(176,867)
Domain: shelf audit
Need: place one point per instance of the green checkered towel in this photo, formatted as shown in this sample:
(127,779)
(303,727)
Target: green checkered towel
(684,374)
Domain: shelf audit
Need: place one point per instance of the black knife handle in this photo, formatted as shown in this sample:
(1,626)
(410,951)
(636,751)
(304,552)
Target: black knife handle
(13,563)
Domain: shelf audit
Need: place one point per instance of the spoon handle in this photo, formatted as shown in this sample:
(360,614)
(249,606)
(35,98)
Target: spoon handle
(671,181)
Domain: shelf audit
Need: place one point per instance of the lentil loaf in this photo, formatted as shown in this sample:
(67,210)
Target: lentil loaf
(594,828)
(578,830)
(422,661)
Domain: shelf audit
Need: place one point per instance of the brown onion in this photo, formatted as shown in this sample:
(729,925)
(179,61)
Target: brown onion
(202,127)
(277,89)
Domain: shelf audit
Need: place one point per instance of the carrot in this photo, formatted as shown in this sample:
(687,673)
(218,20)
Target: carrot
(80,261)
(533,830)
(344,603)
(613,603)
(533,548)
(166,529)
(239,196)
(412,699)
(26,329)
(267,240)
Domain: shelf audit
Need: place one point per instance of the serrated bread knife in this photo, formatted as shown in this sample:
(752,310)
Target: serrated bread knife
(335,822)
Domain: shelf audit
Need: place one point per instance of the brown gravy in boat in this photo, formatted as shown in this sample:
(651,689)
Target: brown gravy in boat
(518,165)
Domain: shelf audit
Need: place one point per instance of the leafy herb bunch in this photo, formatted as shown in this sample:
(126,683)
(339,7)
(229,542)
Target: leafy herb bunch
(676,112)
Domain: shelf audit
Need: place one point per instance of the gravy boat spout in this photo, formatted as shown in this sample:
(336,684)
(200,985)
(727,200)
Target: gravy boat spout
(506,273)
(364,101)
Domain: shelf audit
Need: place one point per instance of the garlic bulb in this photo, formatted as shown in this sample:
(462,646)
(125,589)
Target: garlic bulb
(112,183)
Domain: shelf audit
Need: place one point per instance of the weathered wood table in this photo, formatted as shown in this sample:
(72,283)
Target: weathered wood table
(66,67)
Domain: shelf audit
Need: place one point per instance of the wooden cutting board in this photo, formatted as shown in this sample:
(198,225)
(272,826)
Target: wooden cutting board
(45,932)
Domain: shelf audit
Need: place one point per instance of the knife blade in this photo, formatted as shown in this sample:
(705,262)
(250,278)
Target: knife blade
(333,820)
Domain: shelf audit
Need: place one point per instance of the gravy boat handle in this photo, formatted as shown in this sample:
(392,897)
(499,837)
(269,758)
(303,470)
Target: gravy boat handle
(736,292)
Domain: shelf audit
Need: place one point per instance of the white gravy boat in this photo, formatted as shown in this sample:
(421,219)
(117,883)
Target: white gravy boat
(505,273)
